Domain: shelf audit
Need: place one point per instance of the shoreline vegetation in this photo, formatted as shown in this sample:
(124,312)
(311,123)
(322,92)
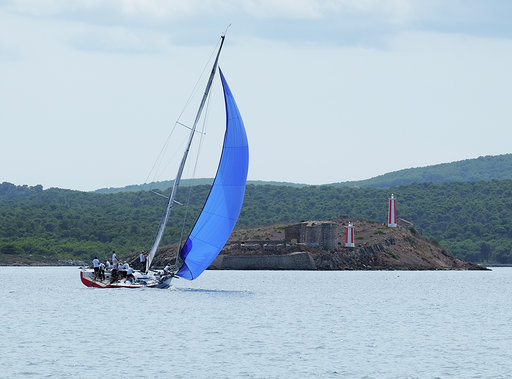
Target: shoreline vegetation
(377,247)
(465,207)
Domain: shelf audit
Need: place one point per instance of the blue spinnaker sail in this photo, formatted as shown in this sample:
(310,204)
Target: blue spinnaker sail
(222,207)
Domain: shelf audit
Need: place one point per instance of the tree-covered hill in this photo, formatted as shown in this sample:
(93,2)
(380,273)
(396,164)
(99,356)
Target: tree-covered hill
(162,186)
(473,221)
(470,170)
(55,223)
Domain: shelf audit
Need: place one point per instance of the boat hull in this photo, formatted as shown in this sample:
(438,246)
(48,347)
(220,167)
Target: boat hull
(165,281)
(142,280)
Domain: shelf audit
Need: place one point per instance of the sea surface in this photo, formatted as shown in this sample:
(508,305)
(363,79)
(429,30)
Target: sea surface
(259,324)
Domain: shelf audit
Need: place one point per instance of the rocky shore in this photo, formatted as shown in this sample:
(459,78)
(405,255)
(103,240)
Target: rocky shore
(377,247)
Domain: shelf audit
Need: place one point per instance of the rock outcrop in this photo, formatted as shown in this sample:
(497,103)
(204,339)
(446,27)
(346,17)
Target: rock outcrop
(377,247)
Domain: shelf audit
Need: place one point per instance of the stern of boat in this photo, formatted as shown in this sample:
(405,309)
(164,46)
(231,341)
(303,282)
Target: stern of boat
(87,278)
(165,281)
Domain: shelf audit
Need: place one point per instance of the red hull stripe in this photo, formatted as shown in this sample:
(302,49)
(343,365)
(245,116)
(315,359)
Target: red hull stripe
(91,283)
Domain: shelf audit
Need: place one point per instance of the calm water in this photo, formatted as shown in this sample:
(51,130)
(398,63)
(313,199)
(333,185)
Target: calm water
(259,324)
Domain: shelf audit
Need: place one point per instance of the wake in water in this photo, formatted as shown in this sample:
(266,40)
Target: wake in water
(203,290)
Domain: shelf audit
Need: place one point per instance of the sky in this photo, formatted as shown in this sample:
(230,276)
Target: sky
(329,90)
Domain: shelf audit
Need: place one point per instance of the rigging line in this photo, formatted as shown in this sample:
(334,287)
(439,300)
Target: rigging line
(226,31)
(160,155)
(159,194)
(159,159)
(203,131)
(194,90)
(187,208)
(176,151)
(196,86)
(156,163)
(187,127)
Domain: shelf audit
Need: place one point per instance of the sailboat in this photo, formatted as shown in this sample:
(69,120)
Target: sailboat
(220,211)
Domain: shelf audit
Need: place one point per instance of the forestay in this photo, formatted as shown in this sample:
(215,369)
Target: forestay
(170,203)
(222,207)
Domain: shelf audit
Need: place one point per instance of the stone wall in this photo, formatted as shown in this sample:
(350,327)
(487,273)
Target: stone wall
(293,261)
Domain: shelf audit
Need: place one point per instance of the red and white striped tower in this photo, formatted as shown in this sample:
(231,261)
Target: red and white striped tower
(392,212)
(349,235)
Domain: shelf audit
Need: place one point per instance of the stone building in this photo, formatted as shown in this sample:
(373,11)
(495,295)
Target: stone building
(321,234)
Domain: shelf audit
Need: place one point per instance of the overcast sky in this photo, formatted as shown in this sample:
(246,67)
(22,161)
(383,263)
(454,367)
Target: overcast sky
(329,90)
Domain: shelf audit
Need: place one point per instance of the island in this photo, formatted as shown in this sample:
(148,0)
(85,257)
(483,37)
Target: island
(320,245)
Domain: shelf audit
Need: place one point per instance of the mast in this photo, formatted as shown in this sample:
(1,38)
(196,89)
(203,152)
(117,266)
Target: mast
(170,203)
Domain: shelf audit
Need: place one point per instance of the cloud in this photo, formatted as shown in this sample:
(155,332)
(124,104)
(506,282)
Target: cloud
(160,10)
(339,22)
(153,26)
(121,40)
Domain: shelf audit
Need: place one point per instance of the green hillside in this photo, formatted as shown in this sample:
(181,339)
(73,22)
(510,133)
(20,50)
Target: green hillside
(162,186)
(470,170)
(55,223)
(471,220)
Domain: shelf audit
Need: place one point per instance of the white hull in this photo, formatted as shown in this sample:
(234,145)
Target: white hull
(139,280)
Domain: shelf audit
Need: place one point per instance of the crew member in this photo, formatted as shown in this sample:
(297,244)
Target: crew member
(120,271)
(96,266)
(114,272)
(129,275)
(142,260)
(102,271)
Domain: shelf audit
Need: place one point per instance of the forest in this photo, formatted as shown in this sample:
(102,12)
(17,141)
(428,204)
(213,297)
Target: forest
(485,168)
(471,220)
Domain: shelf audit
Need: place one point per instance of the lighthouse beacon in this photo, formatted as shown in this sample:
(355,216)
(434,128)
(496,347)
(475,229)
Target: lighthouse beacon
(349,235)
(392,212)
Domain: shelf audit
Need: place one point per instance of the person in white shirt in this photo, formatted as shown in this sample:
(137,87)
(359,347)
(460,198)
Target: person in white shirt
(121,271)
(129,274)
(114,257)
(167,269)
(96,266)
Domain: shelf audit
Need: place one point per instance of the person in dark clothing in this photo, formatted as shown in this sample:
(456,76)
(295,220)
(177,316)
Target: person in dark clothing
(102,271)
(142,260)
(114,272)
